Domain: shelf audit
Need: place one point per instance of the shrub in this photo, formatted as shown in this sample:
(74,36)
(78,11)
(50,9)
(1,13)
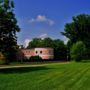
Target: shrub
(25,59)
(77,51)
(35,58)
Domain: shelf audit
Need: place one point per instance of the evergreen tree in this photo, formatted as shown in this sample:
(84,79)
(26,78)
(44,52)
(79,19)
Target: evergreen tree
(8,29)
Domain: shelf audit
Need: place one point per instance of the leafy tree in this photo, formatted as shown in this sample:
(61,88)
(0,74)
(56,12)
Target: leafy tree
(78,51)
(60,50)
(69,45)
(79,30)
(8,29)
(47,42)
(34,43)
(37,42)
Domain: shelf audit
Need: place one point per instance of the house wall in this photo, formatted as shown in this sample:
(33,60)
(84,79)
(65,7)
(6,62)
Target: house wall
(44,53)
(25,53)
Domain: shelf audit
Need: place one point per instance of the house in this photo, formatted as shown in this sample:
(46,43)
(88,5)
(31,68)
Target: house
(44,53)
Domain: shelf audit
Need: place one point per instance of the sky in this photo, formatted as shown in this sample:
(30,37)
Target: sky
(46,18)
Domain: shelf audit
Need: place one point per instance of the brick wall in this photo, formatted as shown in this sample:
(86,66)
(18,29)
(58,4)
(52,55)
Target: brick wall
(44,53)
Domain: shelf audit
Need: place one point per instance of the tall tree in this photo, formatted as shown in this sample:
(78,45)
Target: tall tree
(34,43)
(37,42)
(8,29)
(79,30)
(47,42)
(60,50)
(78,51)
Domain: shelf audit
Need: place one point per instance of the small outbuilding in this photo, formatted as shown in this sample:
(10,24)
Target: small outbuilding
(44,53)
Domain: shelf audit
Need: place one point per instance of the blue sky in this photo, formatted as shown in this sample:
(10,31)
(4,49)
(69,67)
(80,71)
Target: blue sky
(42,18)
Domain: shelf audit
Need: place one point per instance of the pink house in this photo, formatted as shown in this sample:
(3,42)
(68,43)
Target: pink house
(44,53)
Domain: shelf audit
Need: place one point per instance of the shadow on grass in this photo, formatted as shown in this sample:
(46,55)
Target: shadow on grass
(22,70)
(85,61)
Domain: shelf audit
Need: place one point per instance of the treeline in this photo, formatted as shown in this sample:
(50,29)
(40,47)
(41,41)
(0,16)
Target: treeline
(60,49)
(78,45)
(78,33)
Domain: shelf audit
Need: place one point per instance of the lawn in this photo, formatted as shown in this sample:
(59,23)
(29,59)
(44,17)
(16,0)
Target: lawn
(61,76)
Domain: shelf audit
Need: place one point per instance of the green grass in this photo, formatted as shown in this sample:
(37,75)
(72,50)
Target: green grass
(68,76)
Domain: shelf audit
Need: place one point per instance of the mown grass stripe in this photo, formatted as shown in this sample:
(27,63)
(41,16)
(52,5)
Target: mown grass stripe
(72,76)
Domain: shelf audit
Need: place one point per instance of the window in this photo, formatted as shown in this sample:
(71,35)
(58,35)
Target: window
(36,52)
(40,52)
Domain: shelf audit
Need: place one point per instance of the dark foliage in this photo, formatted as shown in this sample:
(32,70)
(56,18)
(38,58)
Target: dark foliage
(35,58)
(8,29)
(79,30)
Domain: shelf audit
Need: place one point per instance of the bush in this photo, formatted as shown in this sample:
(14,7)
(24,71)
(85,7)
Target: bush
(35,58)
(77,51)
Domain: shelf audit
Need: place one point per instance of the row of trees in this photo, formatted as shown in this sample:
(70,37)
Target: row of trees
(78,33)
(60,50)
(78,46)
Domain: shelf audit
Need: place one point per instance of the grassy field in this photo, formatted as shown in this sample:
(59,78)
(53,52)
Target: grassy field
(61,76)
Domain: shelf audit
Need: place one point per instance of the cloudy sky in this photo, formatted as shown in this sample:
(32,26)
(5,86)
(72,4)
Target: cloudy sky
(46,18)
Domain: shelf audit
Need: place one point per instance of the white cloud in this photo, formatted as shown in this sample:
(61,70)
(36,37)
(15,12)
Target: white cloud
(42,18)
(26,42)
(43,36)
(65,39)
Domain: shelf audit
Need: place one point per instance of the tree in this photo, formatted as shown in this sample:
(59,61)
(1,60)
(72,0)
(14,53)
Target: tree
(37,42)
(8,29)
(78,51)
(47,42)
(60,50)
(79,30)
(34,43)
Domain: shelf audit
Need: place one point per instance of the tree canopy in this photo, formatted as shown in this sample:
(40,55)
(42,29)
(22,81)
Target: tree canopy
(78,51)
(79,30)
(8,28)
